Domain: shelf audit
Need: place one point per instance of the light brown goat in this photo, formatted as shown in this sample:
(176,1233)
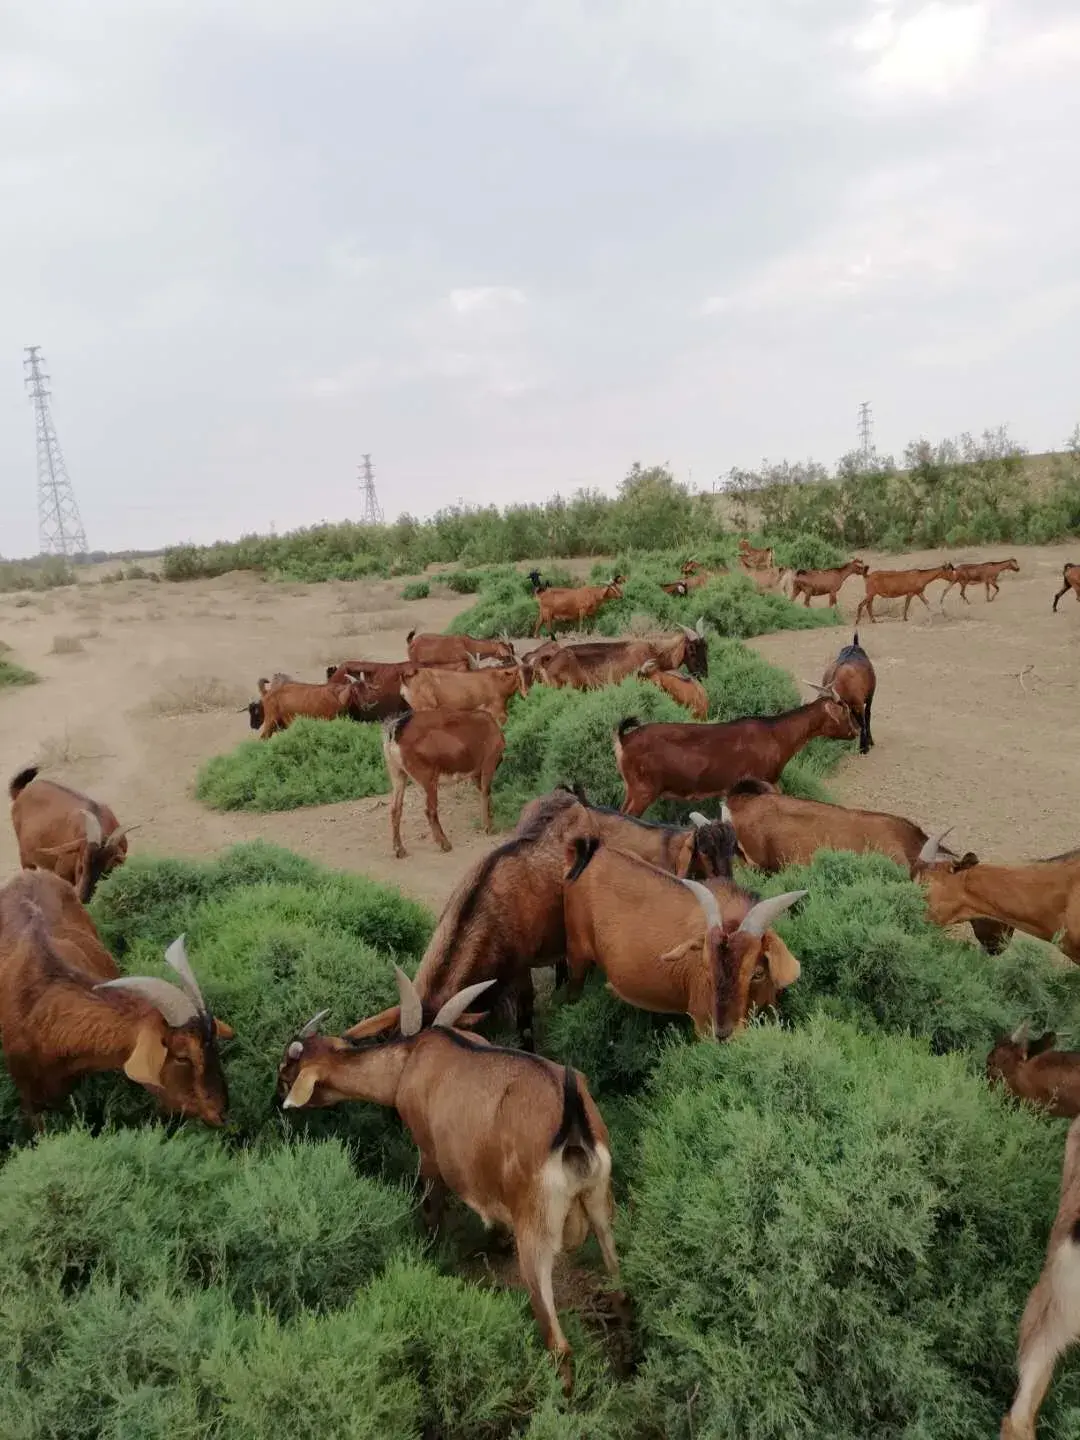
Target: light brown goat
(900,584)
(1051,1319)
(809,583)
(690,694)
(573,606)
(985,573)
(63,830)
(1070,580)
(427,745)
(281,704)
(426,649)
(643,928)
(65,1010)
(595,663)
(517,1137)
(1033,1070)
(488,690)
(755,559)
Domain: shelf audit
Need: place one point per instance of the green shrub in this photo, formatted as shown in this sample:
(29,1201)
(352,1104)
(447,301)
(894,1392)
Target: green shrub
(12,674)
(416,590)
(463,582)
(313,762)
(504,607)
(833,1236)
(805,552)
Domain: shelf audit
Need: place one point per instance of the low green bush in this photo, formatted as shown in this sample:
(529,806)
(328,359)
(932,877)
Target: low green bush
(833,1237)
(313,762)
(505,606)
(12,674)
(416,590)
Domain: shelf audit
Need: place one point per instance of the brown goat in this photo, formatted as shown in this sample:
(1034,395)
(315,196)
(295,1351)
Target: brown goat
(690,694)
(281,704)
(425,746)
(426,649)
(985,573)
(897,584)
(388,673)
(572,606)
(808,583)
(488,690)
(65,1010)
(755,559)
(63,830)
(1051,1319)
(1042,899)
(517,1137)
(595,663)
(1070,580)
(853,678)
(643,928)
(697,762)
(1033,1070)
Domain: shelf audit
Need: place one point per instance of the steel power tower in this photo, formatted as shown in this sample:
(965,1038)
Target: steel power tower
(866,425)
(60,526)
(373,514)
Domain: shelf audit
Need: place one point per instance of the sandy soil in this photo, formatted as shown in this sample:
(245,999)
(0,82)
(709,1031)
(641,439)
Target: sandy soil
(161,670)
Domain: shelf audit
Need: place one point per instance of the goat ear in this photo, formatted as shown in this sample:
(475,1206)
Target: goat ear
(680,951)
(303,1087)
(144,1063)
(58,850)
(223,1031)
(1043,1043)
(375,1024)
(966,861)
(784,968)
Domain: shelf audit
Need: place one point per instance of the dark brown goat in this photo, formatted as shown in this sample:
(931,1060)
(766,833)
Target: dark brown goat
(1070,580)
(985,573)
(808,583)
(63,830)
(65,1010)
(698,762)
(1033,1070)
(852,677)
(429,744)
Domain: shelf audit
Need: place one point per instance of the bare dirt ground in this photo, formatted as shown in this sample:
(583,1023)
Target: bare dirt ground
(141,682)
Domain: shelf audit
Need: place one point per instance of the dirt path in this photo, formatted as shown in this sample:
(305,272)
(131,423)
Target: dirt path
(959,739)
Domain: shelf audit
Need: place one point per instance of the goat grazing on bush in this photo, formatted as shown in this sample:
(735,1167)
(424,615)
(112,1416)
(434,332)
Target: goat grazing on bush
(900,584)
(1070,580)
(517,1137)
(595,663)
(1051,1319)
(690,694)
(425,649)
(985,573)
(426,745)
(755,559)
(1033,1070)
(698,762)
(282,703)
(62,830)
(643,928)
(488,690)
(809,583)
(572,606)
(851,676)
(65,1010)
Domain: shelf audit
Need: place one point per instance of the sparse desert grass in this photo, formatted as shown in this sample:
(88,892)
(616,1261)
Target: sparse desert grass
(68,747)
(12,674)
(65,645)
(23,602)
(372,624)
(197,695)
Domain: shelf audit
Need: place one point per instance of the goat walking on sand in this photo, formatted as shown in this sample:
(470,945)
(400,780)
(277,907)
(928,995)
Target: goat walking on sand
(424,746)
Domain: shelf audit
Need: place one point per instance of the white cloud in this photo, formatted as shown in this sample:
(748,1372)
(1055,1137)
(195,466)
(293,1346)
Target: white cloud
(930,53)
(486,299)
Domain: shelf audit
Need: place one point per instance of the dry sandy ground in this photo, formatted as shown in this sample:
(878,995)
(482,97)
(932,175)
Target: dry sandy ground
(960,740)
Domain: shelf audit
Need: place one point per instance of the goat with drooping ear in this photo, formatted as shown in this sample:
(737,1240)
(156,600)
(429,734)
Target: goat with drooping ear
(1034,1071)
(517,1137)
(64,831)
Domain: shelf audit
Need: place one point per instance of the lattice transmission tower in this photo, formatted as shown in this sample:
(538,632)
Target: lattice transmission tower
(373,514)
(60,526)
(866,427)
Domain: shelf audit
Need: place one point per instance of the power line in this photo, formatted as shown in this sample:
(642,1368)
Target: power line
(60,526)
(866,426)
(373,514)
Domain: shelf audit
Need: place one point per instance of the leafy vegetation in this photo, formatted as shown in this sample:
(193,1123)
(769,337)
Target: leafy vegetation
(48,573)
(313,762)
(12,674)
(416,590)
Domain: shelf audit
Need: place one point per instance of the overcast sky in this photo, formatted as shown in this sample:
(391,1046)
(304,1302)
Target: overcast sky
(510,248)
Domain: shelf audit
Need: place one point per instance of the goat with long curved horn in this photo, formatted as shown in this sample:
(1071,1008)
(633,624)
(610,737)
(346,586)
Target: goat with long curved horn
(766,912)
(929,852)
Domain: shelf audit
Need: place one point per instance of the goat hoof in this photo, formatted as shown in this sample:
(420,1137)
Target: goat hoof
(400,852)
(445,846)
(566,1373)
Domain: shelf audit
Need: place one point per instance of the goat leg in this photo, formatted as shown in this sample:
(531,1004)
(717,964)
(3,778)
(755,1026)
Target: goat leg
(536,1258)
(431,809)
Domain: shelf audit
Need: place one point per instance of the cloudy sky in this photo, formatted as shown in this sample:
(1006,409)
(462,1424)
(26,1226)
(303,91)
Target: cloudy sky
(510,248)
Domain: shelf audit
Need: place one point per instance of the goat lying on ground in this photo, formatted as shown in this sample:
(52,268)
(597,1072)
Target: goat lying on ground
(1070,578)
(852,678)
(1033,1070)
(65,1010)
(517,1137)
(691,694)
(986,573)
(897,584)
(1051,1320)
(64,831)
(425,746)
(809,583)
(643,928)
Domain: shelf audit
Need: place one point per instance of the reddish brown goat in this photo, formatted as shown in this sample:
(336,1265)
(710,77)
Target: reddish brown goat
(572,607)
(755,559)
(808,583)
(281,704)
(1070,577)
(388,674)
(428,649)
(488,690)
(643,928)
(1033,1070)
(517,1137)
(698,762)
(595,663)
(1051,1319)
(852,676)
(63,830)
(691,694)
(65,1010)
(426,746)
(900,584)
(985,573)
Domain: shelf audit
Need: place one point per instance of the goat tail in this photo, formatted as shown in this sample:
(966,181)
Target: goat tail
(409,636)
(624,726)
(574,1137)
(855,638)
(393,726)
(584,848)
(20,781)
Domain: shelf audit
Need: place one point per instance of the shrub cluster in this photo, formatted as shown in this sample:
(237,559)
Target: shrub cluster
(313,762)
(12,674)
(416,590)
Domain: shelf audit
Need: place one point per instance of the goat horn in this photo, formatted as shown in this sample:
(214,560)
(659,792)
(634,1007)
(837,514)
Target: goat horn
(700,626)
(306,1031)
(725,814)
(474,660)
(91,828)
(697,819)
(928,853)
(758,920)
(707,900)
(456,1006)
(412,1011)
(176,956)
(113,840)
(821,689)
(174,1004)
(1020,1035)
